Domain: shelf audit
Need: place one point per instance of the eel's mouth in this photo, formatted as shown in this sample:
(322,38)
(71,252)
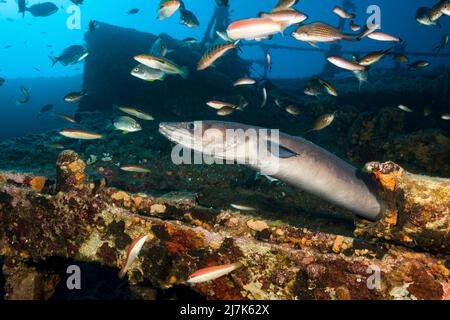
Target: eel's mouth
(178,133)
(172,132)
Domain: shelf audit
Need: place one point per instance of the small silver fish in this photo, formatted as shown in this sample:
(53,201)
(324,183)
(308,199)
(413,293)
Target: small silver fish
(147,74)
(134,168)
(322,122)
(405,108)
(127,124)
(26,96)
(242,207)
(264,101)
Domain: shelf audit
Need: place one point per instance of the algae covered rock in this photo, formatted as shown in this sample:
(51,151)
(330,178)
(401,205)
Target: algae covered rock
(70,171)
(417,212)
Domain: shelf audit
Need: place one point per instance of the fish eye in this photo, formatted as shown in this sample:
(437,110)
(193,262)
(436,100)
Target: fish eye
(136,69)
(191,126)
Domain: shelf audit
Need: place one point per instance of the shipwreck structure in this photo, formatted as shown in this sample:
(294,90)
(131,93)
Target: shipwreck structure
(108,81)
(86,212)
(47,225)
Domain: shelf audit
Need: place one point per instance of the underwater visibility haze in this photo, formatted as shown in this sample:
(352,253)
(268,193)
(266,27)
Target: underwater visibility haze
(225,149)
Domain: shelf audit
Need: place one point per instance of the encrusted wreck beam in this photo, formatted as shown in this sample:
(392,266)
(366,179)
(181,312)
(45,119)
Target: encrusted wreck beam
(86,221)
(418,209)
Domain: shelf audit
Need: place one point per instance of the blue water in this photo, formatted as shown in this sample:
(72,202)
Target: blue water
(398,17)
(30,39)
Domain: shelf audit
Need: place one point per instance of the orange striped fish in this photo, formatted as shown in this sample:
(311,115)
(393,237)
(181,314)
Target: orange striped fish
(162,64)
(286,17)
(244,81)
(343,14)
(66,117)
(167,8)
(254,29)
(284,5)
(367,30)
(80,134)
(346,64)
(320,32)
(212,273)
(220,104)
(381,36)
(213,54)
(374,57)
(132,254)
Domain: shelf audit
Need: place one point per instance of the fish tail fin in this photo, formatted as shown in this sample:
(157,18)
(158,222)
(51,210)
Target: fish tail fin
(350,37)
(54,60)
(184,72)
(242,105)
(182,6)
(283,27)
(237,45)
(388,50)
(365,32)
(122,273)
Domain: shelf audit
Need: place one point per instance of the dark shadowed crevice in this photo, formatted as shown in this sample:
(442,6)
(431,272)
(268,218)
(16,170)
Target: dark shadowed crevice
(102,283)
(179,293)
(2,280)
(97,283)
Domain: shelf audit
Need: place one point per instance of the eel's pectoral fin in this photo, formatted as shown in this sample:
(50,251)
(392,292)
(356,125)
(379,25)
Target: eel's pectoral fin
(280,151)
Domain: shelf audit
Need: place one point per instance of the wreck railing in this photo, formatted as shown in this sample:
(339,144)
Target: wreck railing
(284,47)
(269,47)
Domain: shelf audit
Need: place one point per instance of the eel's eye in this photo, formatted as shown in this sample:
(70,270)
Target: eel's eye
(191,126)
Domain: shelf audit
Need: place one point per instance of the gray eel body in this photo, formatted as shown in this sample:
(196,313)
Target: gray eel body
(325,175)
(306,166)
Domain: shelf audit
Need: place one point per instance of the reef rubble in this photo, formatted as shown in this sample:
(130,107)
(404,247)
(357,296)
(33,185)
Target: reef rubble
(79,219)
